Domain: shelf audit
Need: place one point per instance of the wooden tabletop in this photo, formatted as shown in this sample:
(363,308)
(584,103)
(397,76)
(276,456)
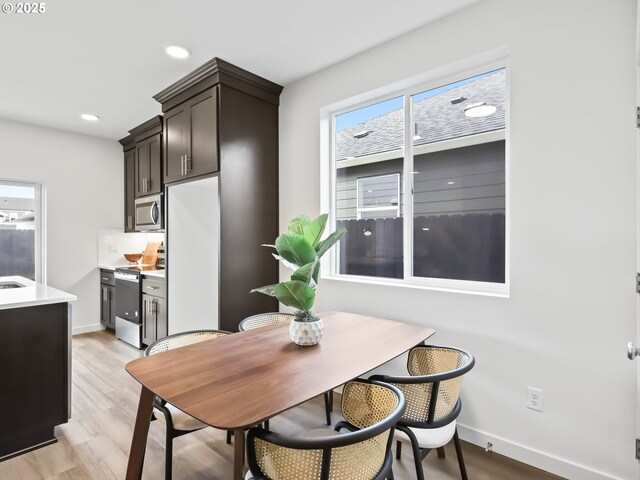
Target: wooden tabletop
(242,379)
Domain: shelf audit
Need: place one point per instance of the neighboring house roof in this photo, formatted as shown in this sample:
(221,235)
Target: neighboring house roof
(436,117)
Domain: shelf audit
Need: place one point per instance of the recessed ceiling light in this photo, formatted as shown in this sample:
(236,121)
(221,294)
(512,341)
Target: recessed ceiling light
(426,229)
(176,51)
(450,183)
(90,117)
(477,110)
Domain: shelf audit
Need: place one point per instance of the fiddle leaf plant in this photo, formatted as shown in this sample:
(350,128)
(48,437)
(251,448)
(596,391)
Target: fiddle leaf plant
(300,249)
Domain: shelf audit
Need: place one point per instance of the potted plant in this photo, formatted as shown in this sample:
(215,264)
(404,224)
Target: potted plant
(300,249)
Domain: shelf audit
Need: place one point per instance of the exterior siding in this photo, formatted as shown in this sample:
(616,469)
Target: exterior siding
(478,173)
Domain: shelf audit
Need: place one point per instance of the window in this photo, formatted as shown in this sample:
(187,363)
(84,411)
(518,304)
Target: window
(21,244)
(378,197)
(419,182)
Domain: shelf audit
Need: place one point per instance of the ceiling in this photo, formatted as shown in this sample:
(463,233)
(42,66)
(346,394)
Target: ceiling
(108,58)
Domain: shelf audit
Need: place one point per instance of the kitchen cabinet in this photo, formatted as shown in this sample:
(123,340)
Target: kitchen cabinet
(148,157)
(154,310)
(107,299)
(221,120)
(190,136)
(129,147)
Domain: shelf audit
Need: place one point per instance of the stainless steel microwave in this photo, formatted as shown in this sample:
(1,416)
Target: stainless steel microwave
(149,213)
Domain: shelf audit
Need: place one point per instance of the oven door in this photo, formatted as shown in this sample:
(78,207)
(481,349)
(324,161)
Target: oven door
(149,213)
(128,296)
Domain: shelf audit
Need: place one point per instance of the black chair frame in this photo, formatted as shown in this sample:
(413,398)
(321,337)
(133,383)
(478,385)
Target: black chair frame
(403,424)
(326,444)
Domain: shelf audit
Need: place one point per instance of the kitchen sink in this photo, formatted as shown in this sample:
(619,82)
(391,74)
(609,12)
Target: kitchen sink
(4,285)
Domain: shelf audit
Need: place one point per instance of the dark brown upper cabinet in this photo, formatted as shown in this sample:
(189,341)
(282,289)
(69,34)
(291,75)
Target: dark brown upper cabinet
(129,146)
(222,120)
(148,163)
(191,142)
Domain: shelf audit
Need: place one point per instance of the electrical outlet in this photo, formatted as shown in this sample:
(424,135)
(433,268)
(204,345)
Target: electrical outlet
(534,399)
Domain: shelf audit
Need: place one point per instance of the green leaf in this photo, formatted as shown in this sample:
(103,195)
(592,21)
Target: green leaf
(310,230)
(313,232)
(295,249)
(315,273)
(295,294)
(305,273)
(267,290)
(297,224)
(328,242)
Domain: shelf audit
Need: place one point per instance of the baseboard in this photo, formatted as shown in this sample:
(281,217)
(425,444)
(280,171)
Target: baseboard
(87,329)
(542,460)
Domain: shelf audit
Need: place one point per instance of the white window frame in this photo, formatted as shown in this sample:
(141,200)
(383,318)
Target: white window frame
(442,76)
(40,244)
(377,209)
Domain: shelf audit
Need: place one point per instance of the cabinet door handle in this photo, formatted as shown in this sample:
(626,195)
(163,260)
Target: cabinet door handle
(148,184)
(154,306)
(104,295)
(181,165)
(106,279)
(187,164)
(152,288)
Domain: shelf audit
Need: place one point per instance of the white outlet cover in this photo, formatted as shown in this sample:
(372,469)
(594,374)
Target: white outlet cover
(535,400)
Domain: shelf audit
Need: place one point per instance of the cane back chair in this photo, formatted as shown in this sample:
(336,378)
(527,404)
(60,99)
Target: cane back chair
(371,410)
(432,392)
(176,421)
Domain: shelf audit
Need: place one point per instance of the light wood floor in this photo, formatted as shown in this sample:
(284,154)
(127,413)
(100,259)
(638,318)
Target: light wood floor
(95,443)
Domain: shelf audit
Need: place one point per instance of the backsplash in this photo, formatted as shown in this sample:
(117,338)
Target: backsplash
(112,244)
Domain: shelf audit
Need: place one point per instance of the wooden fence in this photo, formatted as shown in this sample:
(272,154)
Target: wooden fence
(17,253)
(462,247)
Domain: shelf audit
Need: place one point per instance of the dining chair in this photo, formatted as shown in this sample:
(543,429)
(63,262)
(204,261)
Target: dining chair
(432,392)
(371,410)
(176,421)
(264,319)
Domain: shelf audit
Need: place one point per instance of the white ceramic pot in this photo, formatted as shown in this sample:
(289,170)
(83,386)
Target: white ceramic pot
(306,333)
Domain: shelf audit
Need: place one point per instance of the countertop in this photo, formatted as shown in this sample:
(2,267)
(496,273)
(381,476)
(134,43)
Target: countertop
(149,273)
(31,294)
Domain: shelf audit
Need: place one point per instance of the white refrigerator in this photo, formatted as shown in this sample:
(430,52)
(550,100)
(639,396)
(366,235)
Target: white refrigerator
(193,238)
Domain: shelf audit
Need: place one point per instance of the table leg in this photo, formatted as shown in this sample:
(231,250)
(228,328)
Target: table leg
(140,432)
(238,454)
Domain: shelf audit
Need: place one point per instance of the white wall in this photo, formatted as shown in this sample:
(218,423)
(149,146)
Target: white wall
(83,177)
(573,226)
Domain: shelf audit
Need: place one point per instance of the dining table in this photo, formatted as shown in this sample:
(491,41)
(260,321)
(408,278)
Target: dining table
(237,381)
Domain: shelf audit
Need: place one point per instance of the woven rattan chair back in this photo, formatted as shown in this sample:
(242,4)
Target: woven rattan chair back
(264,319)
(182,339)
(432,391)
(372,408)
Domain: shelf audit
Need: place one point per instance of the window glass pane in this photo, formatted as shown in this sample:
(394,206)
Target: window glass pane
(459,180)
(378,192)
(18,229)
(369,164)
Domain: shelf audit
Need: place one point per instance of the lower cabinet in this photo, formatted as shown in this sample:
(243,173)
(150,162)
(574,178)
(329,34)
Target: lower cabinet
(154,310)
(107,299)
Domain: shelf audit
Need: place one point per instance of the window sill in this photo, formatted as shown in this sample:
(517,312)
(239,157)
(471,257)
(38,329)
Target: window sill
(438,285)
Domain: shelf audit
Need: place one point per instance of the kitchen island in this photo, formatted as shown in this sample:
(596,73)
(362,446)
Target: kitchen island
(35,364)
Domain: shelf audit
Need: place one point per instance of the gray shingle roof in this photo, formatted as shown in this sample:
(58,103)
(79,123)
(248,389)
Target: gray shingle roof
(437,119)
